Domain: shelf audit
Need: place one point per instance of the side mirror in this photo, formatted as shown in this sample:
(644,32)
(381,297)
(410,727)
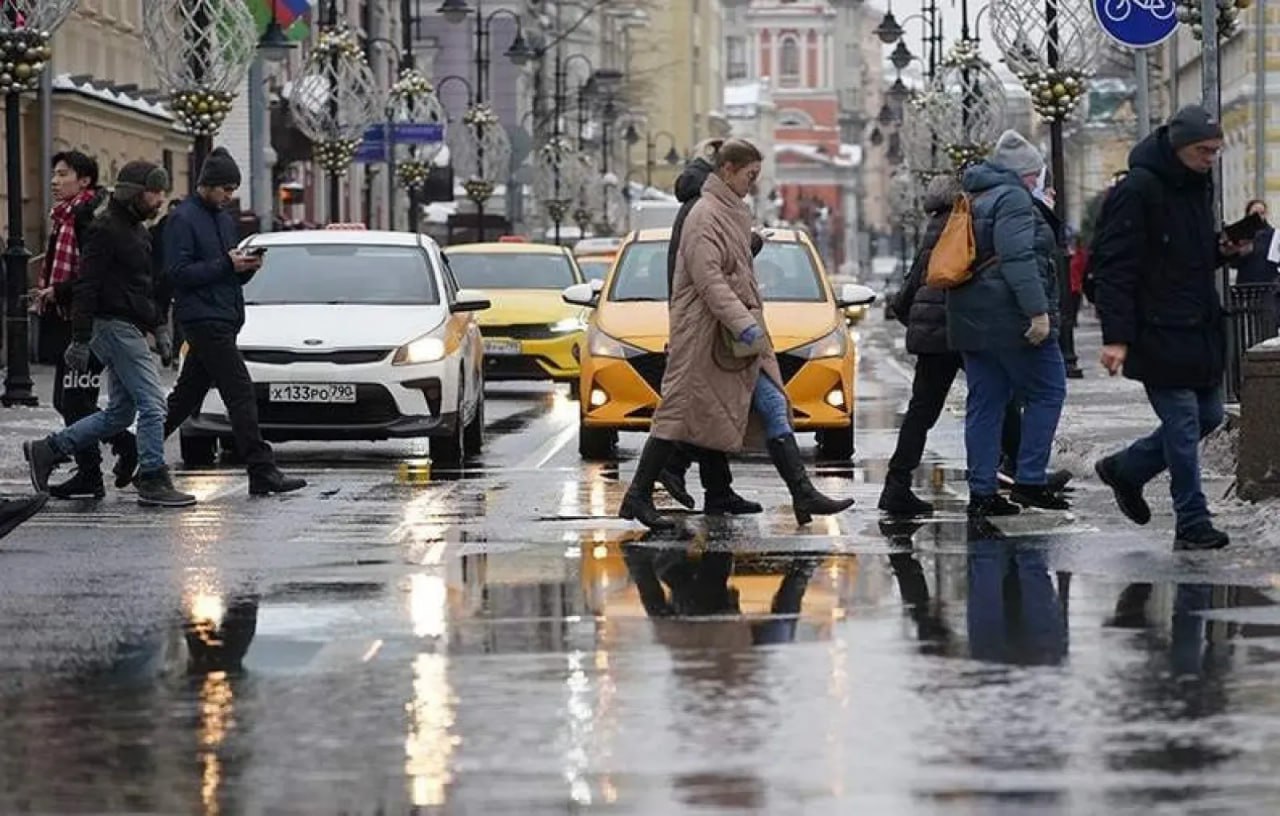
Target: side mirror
(583,294)
(855,294)
(469,300)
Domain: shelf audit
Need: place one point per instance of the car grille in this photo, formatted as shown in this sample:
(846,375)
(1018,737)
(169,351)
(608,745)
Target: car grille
(651,367)
(529,331)
(374,405)
(514,368)
(344,357)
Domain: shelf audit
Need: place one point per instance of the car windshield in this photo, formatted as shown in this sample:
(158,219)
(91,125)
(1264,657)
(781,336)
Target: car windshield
(594,270)
(515,270)
(785,273)
(341,274)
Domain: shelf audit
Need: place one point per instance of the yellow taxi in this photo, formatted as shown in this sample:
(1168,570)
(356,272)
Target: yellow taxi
(529,332)
(595,256)
(624,357)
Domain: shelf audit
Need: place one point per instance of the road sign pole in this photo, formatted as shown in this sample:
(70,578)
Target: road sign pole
(1143,78)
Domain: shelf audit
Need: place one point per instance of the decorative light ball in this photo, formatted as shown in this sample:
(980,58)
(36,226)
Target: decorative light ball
(24,54)
(412,174)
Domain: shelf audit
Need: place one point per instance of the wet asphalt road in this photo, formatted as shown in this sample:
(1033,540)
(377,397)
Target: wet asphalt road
(493,641)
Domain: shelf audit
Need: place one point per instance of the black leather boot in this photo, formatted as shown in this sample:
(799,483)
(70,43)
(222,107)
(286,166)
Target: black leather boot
(806,501)
(267,480)
(717,481)
(637,504)
(898,500)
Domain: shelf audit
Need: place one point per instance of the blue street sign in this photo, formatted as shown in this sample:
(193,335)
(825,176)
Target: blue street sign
(1137,23)
(371,151)
(410,133)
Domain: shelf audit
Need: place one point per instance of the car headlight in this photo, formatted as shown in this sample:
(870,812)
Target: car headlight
(426,349)
(600,344)
(569,325)
(834,344)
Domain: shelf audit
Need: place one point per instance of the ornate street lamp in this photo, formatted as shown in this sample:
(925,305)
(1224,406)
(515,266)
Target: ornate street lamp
(201,51)
(557,177)
(26,34)
(969,110)
(413,103)
(889,31)
(481,153)
(334,102)
(1051,45)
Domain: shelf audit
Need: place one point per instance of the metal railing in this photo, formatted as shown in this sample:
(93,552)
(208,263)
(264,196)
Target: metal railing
(1251,319)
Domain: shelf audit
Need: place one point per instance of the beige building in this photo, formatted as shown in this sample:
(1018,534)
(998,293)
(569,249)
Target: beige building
(676,76)
(99,99)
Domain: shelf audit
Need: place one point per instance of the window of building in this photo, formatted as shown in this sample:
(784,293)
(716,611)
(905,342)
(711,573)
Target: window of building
(789,67)
(795,119)
(735,58)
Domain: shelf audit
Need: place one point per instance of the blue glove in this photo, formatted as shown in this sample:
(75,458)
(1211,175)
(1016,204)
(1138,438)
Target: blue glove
(751,334)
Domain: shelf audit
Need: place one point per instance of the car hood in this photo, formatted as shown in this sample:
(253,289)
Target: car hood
(646,326)
(512,307)
(297,327)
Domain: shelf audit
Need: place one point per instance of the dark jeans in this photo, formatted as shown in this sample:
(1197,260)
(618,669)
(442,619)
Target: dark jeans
(214,361)
(1186,416)
(935,373)
(1037,376)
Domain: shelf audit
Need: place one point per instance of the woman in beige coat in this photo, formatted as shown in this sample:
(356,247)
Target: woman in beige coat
(709,394)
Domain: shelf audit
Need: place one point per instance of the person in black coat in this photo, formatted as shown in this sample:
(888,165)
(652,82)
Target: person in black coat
(1256,266)
(208,274)
(713,466)
(1154,260)
(923,311)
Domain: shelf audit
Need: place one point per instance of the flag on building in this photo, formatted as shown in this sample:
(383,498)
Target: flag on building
(289,14)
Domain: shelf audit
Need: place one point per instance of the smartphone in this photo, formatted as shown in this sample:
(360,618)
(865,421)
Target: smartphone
(254,252)
(1246,228)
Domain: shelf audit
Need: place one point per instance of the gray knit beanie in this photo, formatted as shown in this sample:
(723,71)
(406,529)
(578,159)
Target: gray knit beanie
(1192,124)
(1014,152)
(138,177)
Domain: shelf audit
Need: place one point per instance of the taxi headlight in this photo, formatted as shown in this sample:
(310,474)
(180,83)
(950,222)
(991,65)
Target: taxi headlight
(568,325)
(834,344)
(600,344)
(425,349)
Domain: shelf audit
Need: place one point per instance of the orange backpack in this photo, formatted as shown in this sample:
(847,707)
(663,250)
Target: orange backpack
(953,256)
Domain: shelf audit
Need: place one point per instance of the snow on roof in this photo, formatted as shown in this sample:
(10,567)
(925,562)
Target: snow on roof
(745,93)
(109,94)
(848,156)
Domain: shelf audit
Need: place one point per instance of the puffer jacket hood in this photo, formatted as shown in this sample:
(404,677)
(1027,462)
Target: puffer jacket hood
(986,176)
(1156,154)
(689,184)
(940,195)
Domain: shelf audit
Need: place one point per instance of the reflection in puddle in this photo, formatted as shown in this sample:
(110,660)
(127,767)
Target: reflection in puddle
(430,744)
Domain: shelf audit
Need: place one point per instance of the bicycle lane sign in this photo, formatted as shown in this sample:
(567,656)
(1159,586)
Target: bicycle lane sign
(1137,23)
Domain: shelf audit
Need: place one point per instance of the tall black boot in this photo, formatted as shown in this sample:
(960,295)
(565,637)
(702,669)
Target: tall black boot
(806,501)
(717,481)
(637,504)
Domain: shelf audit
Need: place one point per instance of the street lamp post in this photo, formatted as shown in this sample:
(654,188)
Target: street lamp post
(632,137)
(26,31)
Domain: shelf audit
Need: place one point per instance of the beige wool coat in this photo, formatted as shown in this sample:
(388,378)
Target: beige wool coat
(703,403)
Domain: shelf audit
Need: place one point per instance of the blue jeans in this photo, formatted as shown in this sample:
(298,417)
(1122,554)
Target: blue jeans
(771,405)
(1037,376)
(1187,415)
(133,390)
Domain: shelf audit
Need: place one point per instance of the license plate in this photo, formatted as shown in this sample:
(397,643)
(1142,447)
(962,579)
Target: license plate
(312,392)
(506,347)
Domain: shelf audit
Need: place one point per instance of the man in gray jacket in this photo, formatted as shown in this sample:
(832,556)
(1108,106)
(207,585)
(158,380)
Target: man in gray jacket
(1004,323)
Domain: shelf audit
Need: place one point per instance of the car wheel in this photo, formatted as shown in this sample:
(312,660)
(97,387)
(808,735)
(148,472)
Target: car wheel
(837,443)
(595,444)
(449,450)
(473,436)
(198,451)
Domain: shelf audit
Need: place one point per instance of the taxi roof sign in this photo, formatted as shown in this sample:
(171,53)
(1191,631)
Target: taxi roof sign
(513,239)
(353,227)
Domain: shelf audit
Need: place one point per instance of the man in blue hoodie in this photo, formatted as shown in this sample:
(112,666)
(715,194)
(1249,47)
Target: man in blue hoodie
(208,274)
(1004,322)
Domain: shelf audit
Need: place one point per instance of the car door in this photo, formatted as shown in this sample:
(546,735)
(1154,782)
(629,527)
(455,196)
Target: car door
(472,344)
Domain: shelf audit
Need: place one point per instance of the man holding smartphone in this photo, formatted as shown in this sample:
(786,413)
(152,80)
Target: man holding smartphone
(208,274)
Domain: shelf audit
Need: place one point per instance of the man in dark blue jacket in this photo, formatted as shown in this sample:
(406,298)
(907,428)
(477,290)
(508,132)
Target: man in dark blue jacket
(1154,260)
(208,274)
(1256,265)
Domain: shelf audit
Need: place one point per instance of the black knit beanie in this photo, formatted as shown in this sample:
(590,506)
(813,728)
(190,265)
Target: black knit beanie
(1192,124)
(219,170)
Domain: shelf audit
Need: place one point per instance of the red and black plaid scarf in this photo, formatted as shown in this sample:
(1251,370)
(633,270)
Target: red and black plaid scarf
(63,262)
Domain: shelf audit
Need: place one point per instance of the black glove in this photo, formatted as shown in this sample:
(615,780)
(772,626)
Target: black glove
(164,345)
(757,244)
(77,357)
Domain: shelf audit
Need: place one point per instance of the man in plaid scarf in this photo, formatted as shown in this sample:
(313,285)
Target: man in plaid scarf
(75,396)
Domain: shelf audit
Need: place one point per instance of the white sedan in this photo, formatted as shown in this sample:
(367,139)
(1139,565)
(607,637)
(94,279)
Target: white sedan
(355,335)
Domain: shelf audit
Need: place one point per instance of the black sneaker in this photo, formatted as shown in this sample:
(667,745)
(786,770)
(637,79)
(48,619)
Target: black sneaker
(731,505)
(86,484)
(155,489)
(1074,373)
(1128,497)
(42,460)
(270,481)
(1202,536)
(1039,496)
(991,506)
(15,511)
(1055,480)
